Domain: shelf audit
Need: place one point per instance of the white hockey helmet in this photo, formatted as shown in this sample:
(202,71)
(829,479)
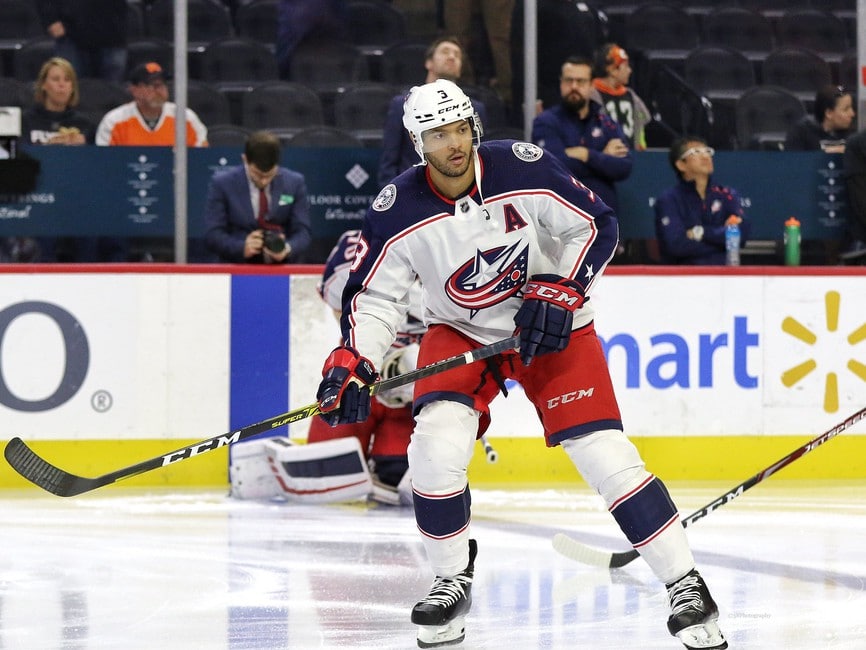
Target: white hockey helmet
(435,104)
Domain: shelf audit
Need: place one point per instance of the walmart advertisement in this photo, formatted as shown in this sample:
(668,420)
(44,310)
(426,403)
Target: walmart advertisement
(172,356)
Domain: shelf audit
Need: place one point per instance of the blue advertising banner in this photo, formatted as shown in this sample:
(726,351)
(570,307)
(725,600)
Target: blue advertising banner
(128,191)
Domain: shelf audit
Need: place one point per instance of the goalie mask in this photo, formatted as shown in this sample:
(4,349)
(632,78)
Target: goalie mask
(436,104)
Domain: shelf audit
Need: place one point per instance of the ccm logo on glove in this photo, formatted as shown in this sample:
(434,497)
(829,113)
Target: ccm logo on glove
(344,393)
(544,319)
(557,294)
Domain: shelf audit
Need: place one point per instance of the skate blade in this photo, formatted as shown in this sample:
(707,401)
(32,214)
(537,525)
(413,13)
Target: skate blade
(435,636)
(706,636)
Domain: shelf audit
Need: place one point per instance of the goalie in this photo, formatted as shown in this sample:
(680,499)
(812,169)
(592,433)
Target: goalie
(349,461)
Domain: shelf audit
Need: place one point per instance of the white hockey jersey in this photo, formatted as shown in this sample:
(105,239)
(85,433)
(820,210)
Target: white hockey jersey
(473,256)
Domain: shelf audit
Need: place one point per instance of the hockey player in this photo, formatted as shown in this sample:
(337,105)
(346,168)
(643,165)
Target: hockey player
(499,235)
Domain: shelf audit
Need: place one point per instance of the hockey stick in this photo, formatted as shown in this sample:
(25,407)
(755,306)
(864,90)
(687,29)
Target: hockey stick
(571,548)
(64,484)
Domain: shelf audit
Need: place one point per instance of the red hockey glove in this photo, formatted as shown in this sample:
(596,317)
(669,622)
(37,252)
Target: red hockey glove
(545,317)
(344,393)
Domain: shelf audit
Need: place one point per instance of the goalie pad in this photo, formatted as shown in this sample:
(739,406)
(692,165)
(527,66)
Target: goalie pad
(250,472)
(319,472)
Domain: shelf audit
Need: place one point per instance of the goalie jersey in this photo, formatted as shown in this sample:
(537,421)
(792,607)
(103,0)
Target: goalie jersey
(473,255)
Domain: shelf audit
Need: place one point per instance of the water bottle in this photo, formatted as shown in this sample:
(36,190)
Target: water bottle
(732,243)
(792,242)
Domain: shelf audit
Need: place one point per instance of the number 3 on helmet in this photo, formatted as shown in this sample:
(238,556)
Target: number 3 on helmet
(436,104)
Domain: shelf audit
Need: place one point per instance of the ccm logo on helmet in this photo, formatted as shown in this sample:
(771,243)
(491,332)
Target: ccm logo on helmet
(448,108)
(572,396)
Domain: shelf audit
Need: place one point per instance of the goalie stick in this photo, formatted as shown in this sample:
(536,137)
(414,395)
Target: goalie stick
(571,548)
(64,484)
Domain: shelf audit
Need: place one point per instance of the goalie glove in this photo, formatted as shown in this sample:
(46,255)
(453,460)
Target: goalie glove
(544,319)
(344,393)
(398,361)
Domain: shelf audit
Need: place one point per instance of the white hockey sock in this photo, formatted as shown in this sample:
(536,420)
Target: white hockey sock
(442,445)
(611,464)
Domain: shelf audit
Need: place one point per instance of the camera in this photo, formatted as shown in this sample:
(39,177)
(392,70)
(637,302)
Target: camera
(273,241)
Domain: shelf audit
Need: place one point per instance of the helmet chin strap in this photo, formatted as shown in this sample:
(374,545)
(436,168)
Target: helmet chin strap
(476,161)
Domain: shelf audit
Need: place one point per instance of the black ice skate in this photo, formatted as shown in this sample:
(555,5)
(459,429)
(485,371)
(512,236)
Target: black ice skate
(694,614)
(442,613)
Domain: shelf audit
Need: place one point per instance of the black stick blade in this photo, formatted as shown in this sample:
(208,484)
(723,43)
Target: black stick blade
(618,560)
(42,473)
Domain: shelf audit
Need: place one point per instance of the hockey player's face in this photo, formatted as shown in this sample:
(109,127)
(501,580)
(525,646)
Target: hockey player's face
(449,148)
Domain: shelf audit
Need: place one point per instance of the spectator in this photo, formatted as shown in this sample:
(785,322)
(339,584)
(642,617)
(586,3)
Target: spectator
(90,34)
(831,124)
(258,212)
(149,119)
(496,14)
(610,89)
(582,135)
(444,60)
(854,163)
(53,118)
(306,20)
(691,216)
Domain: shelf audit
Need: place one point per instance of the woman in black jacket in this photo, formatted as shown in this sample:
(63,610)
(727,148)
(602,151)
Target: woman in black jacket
(53,118)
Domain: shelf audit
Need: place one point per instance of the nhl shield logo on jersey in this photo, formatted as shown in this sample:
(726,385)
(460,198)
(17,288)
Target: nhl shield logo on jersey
(527,151)
(386,198)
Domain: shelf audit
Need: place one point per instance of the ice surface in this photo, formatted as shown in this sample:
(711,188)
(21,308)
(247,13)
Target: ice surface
(130,569)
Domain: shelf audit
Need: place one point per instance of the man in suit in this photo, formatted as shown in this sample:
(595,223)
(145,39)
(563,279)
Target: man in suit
(258,212)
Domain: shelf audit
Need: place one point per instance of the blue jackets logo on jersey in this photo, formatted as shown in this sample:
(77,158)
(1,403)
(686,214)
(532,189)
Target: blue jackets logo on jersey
(491,277)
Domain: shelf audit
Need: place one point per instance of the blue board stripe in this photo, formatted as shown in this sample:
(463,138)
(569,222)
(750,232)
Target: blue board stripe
(259,353)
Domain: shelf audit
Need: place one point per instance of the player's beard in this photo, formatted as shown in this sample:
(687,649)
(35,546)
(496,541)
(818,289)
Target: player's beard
(446,168)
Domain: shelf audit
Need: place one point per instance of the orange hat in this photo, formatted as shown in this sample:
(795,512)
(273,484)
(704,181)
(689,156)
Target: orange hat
(616,55)
(145,73)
